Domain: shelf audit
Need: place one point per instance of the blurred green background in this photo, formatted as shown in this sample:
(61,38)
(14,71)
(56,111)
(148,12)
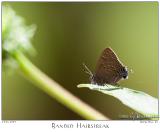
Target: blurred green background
(69,34)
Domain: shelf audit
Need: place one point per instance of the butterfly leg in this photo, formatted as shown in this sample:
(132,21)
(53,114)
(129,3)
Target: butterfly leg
(110,89)
(115,84)
(118,85)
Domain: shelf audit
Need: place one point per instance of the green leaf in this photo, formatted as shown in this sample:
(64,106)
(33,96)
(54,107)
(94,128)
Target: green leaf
(137,100)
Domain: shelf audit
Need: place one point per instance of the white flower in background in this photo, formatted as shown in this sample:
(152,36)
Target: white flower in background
(16,36)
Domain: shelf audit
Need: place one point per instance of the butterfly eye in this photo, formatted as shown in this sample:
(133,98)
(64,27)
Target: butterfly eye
(125,76)
(124,73)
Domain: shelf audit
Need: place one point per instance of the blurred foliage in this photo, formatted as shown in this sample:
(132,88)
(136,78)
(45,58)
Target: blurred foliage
(69,34)
(16,36)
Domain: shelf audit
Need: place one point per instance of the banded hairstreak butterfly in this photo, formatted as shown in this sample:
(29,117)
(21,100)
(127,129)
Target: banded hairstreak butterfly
(109,69)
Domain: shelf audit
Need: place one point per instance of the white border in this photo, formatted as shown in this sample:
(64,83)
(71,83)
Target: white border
(39,126)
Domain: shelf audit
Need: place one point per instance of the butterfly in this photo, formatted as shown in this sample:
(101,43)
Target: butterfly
(109,69)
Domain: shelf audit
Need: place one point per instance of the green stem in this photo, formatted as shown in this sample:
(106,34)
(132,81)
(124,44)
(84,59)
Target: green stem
(55,90)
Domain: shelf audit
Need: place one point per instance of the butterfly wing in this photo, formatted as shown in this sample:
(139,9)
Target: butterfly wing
(108,68)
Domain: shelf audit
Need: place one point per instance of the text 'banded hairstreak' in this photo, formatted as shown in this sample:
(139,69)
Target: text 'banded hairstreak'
(109,69)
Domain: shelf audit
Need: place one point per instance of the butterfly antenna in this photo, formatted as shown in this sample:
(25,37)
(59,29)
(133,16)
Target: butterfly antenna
(130,70)
(86,70)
